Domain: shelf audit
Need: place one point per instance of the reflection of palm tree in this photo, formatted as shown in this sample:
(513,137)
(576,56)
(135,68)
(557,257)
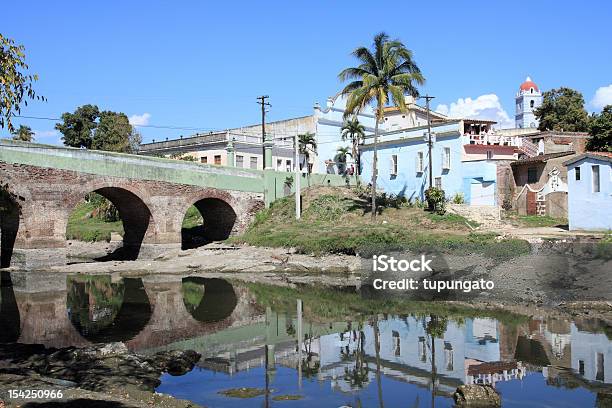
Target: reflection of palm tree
(377,349)
(358,375)
(435,328)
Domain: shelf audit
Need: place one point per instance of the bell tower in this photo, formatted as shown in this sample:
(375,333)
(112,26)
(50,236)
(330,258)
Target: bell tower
(528,98)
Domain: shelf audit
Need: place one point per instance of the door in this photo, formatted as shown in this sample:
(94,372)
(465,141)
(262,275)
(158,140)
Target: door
(531,203)
(482,193)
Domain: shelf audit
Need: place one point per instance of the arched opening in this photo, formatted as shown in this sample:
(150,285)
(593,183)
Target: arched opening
(208,220)
(9,225)
(103,215)
(208,300)
(104,311)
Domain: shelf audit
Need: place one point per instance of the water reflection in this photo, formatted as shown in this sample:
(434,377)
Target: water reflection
(103,311)
(9,313)
(208,299)
(332,350)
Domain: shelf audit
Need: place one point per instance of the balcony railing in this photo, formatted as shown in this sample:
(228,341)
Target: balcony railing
(492,139)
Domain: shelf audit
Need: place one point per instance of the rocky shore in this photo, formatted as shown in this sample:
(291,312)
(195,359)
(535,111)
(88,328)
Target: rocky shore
(105,372)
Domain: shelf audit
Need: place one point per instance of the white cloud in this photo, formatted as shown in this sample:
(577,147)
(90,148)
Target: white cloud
(483,107)
(140,120)
(603,97)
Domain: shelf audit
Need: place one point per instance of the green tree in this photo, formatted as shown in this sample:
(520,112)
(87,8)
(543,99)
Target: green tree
(78,128)
(355,132)
(15,82)
(24,134)
(563,110)
(387,73)
(601,131)
(307,144)
(341,158)
(112,133)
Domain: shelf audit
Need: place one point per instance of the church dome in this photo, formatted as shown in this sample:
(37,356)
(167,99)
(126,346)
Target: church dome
(528,84)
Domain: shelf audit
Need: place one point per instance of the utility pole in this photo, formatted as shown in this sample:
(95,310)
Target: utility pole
(263,103)
(429,140)
(298,179)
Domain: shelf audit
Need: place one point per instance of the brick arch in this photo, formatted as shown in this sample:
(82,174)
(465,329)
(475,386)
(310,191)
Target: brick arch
(134,209)
(219,212)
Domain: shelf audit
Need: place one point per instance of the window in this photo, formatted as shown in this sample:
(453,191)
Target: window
(581,367)
(394,164)
(279,164)
(599,376)
(204,159)
(577,171)
(532,175)
(288,166)
(438,182)
(446,158)
(419,162)
(253,162)
(531,103)
(595,178)
(218,159)
(240,161)
(489,154)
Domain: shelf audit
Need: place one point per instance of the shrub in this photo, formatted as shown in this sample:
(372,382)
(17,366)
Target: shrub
(458,199)
(436,199)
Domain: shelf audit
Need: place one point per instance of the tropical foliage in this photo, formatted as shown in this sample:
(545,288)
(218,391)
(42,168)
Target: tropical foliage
(307,144)
(90,128)
(23,134)
(341,159)
(562,109)
(601,131)
(354,131)
(15,81)
(385,74)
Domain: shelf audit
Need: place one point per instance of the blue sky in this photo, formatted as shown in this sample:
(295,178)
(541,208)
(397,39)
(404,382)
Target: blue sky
(202,64)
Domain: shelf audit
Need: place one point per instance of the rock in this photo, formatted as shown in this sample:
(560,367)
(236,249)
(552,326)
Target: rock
(176,362)
(476,395)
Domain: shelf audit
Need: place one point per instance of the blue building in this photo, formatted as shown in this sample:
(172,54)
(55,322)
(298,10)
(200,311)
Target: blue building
(589,179)
(403,164)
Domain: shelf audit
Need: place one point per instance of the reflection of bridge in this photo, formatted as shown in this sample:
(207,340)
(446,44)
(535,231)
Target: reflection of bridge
(43,318)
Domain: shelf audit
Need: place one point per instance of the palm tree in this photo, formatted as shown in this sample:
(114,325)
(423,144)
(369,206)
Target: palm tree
(385,74)
(24,134)
(340,159)
(307,144)
(352,129)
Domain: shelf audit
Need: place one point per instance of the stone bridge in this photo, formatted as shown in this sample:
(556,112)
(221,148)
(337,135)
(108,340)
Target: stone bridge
(41,185)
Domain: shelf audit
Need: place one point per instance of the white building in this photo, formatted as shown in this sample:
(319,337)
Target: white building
(528,98)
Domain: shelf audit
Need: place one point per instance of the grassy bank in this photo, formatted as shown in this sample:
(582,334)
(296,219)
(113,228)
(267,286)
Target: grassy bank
(336,220)
(83,226)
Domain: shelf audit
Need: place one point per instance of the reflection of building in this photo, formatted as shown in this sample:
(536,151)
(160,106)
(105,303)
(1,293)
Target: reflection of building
(591,355)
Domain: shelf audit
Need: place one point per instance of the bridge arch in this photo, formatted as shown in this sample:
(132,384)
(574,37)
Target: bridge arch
(134,211)
(219,219)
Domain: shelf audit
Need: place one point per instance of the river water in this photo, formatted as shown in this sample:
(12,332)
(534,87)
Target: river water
(338,349)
